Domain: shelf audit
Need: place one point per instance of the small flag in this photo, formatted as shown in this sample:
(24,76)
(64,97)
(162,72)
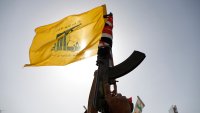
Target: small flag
(131,103)
(71,39)
(139,106)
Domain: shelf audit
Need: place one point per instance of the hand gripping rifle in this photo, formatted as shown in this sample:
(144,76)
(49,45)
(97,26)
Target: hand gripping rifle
(107,73)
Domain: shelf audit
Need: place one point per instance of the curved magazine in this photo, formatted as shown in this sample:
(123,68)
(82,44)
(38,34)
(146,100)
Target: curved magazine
(126,66)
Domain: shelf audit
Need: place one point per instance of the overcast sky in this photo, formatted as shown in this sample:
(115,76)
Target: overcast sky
(167,31)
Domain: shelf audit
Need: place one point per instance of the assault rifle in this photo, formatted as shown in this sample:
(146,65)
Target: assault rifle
(106,76)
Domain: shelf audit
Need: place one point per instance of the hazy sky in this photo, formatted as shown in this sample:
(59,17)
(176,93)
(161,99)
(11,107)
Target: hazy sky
(167,31)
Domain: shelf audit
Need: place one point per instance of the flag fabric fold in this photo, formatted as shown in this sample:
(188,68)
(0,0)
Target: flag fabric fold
(71,39)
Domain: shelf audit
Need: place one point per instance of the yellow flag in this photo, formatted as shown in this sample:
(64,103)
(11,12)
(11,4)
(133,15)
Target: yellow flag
(68,40)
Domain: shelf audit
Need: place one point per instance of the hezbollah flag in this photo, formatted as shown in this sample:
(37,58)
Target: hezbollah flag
(71,39)
(139,105)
